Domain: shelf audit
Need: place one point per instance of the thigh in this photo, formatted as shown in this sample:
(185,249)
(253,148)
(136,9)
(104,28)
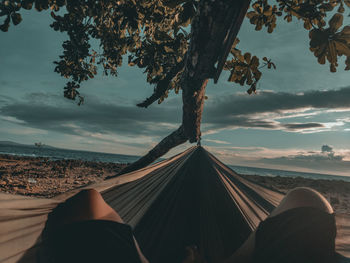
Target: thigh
(88,204)
(303,197)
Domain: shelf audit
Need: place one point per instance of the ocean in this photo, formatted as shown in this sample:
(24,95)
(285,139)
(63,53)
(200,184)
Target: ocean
(58,154)
(283,173)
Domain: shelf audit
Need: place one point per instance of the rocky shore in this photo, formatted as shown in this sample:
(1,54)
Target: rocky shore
(43,177)
(337,192)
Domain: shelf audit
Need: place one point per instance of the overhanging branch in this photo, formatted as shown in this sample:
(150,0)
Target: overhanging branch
(162,86)
(174,139)
(209,29)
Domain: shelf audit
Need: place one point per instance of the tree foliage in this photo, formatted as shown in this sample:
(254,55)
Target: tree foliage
(154,35)
(326,42)
(149,32)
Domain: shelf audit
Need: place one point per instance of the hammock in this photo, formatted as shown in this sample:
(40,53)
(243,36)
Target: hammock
(189,199)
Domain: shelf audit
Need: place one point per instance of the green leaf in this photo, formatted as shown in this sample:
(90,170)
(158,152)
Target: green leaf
(168,49)
(333,68)
(336,22)
(16,18)
(255,61)
(247,57)
(332,52)
(322,59)
(347,63)
(341,8)
(342,48)
(347,2)
(345,33)
(307,24)
(251,14)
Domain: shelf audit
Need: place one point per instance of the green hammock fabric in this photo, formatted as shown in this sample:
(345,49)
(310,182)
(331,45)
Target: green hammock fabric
(189,199)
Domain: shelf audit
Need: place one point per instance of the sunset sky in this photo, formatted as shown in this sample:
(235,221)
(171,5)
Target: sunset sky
(299,120)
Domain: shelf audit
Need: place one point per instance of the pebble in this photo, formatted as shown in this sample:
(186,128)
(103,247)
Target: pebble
(31,180)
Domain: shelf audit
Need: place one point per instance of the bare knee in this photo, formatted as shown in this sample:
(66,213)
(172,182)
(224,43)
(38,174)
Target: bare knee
(87,196)
(303,197)
(309,197)
(89,192)
(88,204)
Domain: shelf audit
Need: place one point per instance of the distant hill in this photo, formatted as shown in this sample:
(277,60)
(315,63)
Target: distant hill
(9,143)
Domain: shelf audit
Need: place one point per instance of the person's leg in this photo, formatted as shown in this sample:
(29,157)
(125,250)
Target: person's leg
(297,197)
(89,204)
(303,197)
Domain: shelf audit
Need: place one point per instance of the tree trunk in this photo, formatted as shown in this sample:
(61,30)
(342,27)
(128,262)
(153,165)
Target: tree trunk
(211,32)
(174,139)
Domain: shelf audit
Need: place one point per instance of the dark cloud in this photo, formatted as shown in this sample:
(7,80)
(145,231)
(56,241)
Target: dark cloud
(5,99)
(222,121)
(94,117)
(302,126)
(48,112)
(245,110)
(277,102)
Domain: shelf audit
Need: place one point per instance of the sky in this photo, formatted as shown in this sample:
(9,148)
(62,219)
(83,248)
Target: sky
(298,120)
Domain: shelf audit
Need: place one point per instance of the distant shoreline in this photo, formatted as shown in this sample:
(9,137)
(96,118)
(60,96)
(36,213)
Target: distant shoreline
(54,153)
(45,146)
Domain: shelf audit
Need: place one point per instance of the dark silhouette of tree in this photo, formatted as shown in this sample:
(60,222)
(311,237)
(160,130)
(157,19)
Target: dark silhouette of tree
(155,36)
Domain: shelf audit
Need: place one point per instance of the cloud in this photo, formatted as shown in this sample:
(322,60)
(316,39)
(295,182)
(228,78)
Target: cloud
(336,162)
(302,126)
(5,99)
(326,161)
(263,111)
(11,119)
(216,141)
(281,101)
(93,117)
(271,110)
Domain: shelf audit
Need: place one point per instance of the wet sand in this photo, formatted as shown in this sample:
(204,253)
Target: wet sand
(43,177)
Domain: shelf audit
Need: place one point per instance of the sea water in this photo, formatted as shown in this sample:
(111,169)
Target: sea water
(283,173)
(63,154)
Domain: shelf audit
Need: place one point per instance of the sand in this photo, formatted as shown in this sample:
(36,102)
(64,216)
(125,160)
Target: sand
(43,177)
(337,192)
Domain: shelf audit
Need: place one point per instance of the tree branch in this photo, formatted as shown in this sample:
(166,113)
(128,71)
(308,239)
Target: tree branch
(162,86)
(209,28)
(174,139)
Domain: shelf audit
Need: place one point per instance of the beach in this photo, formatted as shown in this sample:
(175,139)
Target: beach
(43,177)
(337,192)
